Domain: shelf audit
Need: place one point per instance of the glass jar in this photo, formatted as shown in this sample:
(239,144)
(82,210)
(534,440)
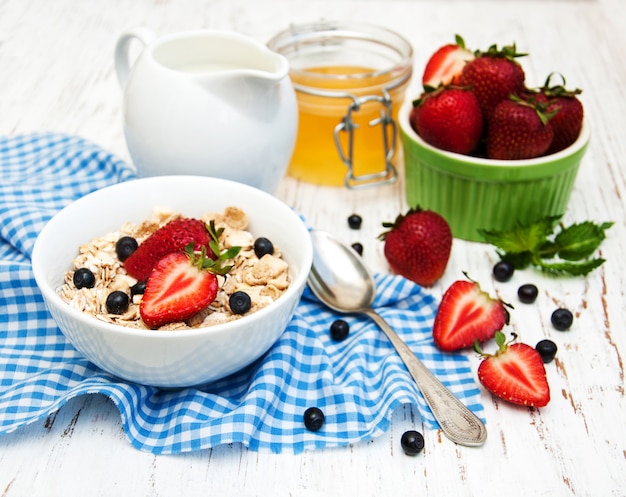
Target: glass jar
(350,80)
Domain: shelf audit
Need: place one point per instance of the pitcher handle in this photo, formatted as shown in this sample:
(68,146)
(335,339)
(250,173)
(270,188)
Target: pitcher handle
(122,61)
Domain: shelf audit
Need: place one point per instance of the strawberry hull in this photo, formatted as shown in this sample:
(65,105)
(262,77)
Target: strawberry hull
(473,193)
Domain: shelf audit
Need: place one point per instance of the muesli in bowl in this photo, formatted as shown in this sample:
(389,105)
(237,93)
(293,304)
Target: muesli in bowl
(173,355)
(111,272)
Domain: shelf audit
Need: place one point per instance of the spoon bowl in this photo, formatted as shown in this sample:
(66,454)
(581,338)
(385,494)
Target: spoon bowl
(340,280)
(351,289)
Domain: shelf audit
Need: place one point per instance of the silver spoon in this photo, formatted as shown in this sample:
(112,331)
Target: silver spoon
(339,278)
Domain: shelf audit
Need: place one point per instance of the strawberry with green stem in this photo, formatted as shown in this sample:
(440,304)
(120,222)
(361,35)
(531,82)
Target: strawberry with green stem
(519,129)
(418,245)
(172,237)
(449,118)
(184,283)
(467,314)
(567,122)
(515,373)
(494,75)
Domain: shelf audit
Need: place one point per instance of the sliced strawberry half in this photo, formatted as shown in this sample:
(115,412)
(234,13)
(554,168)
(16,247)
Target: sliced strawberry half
(184,283)
(467,314)
(515,373)
(173,237)
(176,291)
(446,64)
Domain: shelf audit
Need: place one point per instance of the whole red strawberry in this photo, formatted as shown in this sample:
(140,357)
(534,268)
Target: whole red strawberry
(418,245)
(567,122)
(445,65)
(465,315)
(515,373)
(448,118)
(518,130)
(172,237)
(493,76)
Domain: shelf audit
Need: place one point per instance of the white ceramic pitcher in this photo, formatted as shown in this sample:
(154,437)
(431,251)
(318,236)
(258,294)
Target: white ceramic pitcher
(209,103)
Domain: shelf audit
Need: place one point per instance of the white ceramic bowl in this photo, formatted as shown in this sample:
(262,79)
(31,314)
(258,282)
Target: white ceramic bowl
(170,359)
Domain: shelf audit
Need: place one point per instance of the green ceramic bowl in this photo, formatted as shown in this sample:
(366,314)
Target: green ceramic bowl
(473,193)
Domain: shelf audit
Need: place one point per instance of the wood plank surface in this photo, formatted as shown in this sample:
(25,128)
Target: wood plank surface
(56,73)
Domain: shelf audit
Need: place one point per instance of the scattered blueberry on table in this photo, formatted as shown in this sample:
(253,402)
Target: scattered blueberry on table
(412,442)
(313,418)
(503,271)
(339,330)
(547,350)
(354,221)
(562,319)
(358,248)
(527,293)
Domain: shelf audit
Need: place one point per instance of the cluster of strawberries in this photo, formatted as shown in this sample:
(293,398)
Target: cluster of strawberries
(417,246)
(477,103)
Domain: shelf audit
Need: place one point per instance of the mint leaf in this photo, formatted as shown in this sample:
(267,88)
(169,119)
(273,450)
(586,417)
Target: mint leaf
(580,240)
(520,260)
(572,268)
(522,238)
(531,244)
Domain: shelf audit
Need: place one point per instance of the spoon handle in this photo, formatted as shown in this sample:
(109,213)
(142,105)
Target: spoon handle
(458,423)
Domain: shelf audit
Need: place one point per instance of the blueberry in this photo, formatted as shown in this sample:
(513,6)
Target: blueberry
(354,221)
(562,319)
(412,442)
(313,418)
(239,302)
(138,288)
(125,247)
(263,246)
(527,293)
(503,271)
(358,248)
(547,350)
(339,330)
(84,278)
(117,302)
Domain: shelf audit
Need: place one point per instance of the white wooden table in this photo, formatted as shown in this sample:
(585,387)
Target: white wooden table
(56,73)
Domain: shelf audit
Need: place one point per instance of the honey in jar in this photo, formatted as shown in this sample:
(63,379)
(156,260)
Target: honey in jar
(350,80)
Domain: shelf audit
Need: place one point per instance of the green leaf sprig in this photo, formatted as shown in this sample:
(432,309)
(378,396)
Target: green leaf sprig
(214,262)
(567,252)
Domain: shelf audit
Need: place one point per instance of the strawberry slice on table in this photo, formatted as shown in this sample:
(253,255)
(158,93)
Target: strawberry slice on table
(515,373)
(467,314)
(445,65)
(173,237)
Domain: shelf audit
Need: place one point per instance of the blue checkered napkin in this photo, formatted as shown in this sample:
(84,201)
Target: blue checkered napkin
(357,383)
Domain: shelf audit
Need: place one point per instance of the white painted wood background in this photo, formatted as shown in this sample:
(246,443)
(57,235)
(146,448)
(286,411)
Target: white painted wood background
(56,73)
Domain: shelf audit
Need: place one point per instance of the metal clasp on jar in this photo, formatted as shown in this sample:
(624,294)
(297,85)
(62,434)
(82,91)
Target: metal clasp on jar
(347,125)
(389,131)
